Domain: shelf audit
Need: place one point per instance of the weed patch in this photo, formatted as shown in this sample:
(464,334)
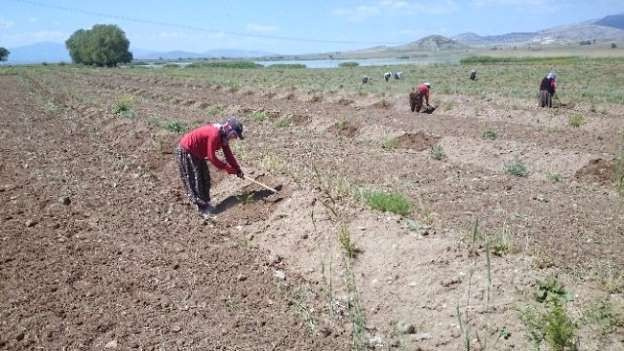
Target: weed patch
(516,168)
(390,143)
(489,135)
(437,152)
(549,321)
(123,106)
(176,127)
(554,177)
(576,120)
(388,202)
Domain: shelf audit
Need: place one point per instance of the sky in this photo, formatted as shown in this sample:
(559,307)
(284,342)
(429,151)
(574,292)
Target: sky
(286,27)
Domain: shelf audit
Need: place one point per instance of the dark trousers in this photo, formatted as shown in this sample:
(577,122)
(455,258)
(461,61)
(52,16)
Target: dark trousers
(545,98)
(195,177)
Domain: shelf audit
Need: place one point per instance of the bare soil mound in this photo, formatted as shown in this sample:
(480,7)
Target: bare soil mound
(418,141)
(254,203)
(597,170)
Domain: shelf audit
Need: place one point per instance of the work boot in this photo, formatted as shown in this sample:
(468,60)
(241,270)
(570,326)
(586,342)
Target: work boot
(208,211)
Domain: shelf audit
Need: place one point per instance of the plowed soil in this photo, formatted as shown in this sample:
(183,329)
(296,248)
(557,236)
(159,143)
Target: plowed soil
(100,249)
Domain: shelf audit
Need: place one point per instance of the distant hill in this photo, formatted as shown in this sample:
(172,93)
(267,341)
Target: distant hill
(609,28)
(509,38)
(142,54)
(432,43)
(56,52)
(615,21)
(38,53)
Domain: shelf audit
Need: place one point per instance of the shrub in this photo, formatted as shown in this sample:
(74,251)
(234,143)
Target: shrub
(388,202)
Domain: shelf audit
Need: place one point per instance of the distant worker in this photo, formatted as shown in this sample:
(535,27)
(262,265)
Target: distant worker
(473,75)
(417,95)
(397,75)
(548,87)
(364,79)
(387,76)
(195,148)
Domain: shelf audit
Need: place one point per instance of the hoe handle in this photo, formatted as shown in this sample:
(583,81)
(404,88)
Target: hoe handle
(261,184)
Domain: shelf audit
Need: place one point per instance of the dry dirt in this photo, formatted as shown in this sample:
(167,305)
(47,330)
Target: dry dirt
(100,250)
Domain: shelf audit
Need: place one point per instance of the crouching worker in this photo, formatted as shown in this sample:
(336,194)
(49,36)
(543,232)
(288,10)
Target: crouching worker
(195,148)
(417,95)
(548,88)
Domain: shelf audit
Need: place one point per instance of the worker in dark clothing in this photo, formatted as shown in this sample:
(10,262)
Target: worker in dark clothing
(548,88)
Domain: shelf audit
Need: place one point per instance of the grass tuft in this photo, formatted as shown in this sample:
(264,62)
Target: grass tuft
(516,168)
(576,120)
(437,152)
(388,202)
(489,135)
(123,106)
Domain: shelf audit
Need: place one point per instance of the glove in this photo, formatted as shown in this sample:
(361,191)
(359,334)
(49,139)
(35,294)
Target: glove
(240,174)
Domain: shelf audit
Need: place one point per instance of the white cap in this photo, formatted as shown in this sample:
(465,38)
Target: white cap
(427,84)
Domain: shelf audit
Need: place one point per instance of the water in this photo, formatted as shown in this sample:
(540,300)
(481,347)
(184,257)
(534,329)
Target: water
(335,63)
(366,62)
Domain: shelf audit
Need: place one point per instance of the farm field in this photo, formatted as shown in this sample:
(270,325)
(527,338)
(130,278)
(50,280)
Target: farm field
(491,224)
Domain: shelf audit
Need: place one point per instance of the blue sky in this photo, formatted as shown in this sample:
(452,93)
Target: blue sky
(314,26)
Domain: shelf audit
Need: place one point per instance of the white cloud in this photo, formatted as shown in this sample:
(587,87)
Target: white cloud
(394,4)
(528,5)
(394,7)
(358,13)
(6,24)
(261,28)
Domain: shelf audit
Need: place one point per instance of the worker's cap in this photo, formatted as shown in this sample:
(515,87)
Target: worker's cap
(427,84)
(234,124)
(551,75)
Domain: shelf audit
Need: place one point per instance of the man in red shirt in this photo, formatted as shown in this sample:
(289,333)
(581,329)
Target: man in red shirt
(202,144)
(417,95)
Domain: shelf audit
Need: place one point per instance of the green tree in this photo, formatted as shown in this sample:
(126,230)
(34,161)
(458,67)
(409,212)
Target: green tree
(4,54)
(102,45)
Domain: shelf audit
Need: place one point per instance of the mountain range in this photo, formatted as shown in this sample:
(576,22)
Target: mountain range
(604,30)
(55,52)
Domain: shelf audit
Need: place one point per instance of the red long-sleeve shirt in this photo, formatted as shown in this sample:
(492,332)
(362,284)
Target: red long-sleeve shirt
(424,91)
(204,142)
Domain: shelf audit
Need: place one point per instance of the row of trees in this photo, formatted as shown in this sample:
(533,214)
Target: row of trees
(102,45)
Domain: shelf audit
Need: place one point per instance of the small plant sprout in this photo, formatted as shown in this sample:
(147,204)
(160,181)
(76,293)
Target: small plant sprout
(489,135)
(576,120)
(390,143)
(259,116)
(123,106)
(437,152)
(516,168)
(554,177)
(176,127)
